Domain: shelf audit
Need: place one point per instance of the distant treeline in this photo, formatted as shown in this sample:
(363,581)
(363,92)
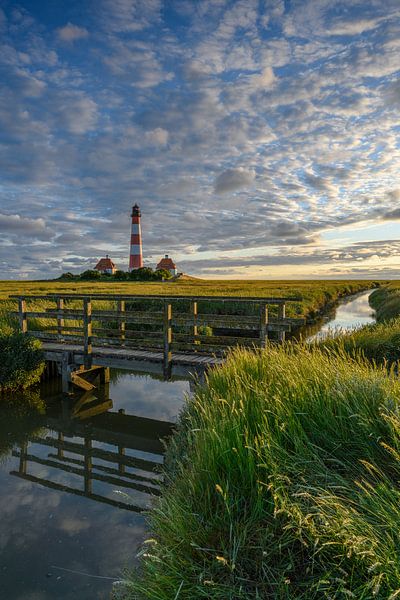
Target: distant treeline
(142,274)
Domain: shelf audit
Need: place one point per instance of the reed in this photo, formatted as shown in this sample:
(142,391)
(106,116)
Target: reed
(282,482)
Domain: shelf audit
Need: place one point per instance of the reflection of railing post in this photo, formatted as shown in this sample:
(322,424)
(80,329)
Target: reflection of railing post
(121,454)
(88,465)
(167,339)
(23,322)
(263,325)
(121,322)
(193,310)
(22,458)
(60,320)
(281,317)
(60,449)
(87,331)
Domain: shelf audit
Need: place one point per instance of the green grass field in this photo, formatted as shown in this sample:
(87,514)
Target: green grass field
(315,294)
(282,483)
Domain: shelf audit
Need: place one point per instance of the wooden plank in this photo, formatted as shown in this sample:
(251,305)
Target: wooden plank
(53,314)
(233,321)
(81,383)
(162,298)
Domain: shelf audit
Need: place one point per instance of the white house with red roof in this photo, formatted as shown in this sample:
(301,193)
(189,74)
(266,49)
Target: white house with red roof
(106,265)
(168,264)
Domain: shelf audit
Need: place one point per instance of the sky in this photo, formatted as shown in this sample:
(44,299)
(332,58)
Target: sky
(260,138)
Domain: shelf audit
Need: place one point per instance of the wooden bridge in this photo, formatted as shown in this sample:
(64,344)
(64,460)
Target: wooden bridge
(85,334)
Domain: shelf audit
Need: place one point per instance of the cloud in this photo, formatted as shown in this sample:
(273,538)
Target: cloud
(234,179)
(265,79)
(76,112)
(70,33)
(14,224)
(118,16)
(295,128)
(157,137)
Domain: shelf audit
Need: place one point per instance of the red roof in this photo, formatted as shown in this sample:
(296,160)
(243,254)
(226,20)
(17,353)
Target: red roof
(104,264)
(166,263)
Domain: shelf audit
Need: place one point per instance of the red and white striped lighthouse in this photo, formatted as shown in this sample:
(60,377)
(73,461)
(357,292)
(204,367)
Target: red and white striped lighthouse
(135,255)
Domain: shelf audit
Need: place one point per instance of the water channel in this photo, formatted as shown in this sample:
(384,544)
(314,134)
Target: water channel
(75,476)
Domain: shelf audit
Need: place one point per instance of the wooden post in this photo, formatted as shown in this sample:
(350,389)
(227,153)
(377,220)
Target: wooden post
(121,323)
(167,339)
(104,375)
(193,310)
(87,329)
(23,322)
(60,320)
(263,325)
(281,316)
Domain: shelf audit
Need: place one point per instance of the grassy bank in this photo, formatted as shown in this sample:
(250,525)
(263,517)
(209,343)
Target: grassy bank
(282,483)
(386,301)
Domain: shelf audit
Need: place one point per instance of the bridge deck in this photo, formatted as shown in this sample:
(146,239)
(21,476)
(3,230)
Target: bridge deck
(132,359)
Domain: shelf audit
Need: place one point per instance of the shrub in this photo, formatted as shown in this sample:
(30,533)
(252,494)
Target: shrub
(22,361)
(68,277)
(121,275)
(162,274)
(90,274)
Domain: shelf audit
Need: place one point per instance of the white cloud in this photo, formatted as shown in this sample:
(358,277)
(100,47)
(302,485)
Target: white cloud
(233,179)
(70,33)
(157,137)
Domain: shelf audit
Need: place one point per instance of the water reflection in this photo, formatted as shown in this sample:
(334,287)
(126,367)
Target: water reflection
(351,313)
(86,439)
(82,470)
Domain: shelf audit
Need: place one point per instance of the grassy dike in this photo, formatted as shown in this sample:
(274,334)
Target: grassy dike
(282,482)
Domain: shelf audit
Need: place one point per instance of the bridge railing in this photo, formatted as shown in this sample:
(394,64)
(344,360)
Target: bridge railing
(170,324)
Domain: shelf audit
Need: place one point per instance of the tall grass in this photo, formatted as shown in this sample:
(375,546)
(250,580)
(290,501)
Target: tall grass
(386,302)
(282,482)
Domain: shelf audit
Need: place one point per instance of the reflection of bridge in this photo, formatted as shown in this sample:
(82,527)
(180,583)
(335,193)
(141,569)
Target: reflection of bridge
(148,333)
(131,466)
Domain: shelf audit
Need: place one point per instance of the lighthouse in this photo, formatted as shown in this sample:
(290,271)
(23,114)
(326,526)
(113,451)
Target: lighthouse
(135,255)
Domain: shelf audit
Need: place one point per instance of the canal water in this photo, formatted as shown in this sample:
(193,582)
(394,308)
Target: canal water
(76,474)
(73,482)
(351,313)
